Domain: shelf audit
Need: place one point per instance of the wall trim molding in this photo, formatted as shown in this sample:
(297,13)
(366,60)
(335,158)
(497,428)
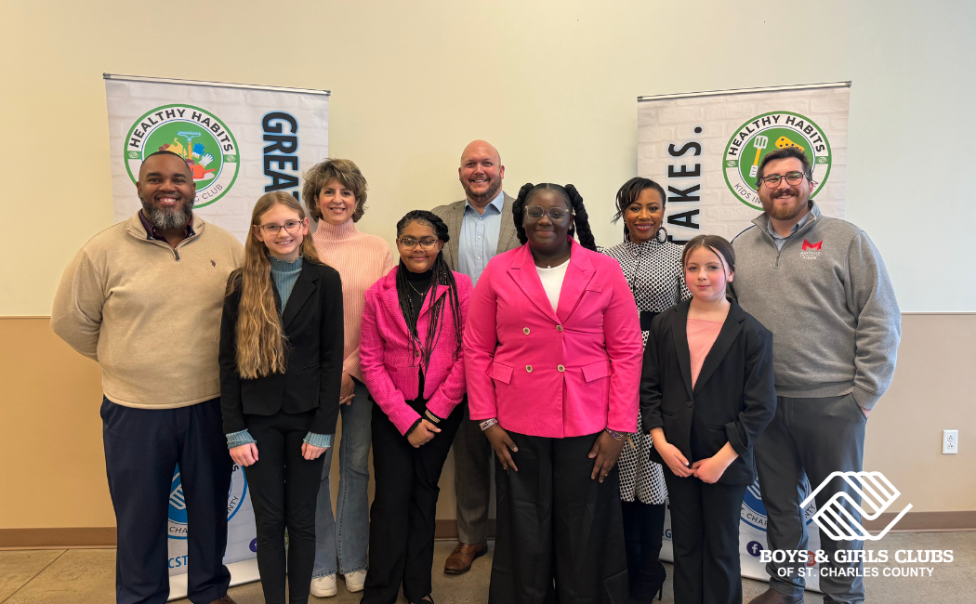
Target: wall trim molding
(446,530)
(58,538)
(926,522)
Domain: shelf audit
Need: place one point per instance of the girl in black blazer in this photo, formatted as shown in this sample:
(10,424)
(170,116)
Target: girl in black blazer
(706,395)
(281,345)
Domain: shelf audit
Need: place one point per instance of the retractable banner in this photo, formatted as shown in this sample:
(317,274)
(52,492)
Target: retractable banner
(240,142)
(704,149)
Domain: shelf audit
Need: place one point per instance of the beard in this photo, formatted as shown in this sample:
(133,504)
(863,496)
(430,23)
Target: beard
(780,212)
(165,220)
(493,187)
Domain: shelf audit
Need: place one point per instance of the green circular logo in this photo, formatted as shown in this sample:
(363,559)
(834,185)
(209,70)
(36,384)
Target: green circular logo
(764,134)
(198,136)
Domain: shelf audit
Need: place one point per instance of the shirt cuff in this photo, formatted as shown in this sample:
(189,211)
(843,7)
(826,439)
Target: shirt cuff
(319,440)
(236,439)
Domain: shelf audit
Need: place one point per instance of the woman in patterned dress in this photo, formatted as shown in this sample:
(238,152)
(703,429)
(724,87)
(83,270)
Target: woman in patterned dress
(652,265)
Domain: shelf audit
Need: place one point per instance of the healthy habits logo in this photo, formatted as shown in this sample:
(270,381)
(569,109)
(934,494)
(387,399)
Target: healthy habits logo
(835,518)
(764,134)
(198,136)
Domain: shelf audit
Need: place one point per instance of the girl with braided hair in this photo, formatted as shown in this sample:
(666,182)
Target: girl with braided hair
(412,361)
(553,362)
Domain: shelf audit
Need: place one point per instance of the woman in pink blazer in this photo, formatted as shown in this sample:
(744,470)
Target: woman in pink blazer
(411,358)
(553,360)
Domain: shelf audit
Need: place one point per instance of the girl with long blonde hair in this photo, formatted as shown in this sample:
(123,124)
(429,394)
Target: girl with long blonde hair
(281,343)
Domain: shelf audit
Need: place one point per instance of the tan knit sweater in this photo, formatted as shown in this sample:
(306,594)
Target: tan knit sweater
(149,314)
(361,260)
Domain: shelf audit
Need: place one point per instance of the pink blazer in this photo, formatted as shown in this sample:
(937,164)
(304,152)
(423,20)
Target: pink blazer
(554,374)
(391,370)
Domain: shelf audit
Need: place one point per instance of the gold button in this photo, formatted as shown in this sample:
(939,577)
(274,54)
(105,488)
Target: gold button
(528,368)
(525,330)
(559,327)
(561,368)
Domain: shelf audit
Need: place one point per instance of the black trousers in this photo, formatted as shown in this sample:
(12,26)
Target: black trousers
(284,488)
(705,536)
(643,534)
(142,450)
(560,533)
(402,517)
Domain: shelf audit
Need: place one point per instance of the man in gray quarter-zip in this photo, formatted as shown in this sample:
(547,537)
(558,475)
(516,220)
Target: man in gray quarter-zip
(820,286)
(143,299)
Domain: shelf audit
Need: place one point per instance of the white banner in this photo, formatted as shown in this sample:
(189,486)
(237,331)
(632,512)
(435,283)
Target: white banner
(704,149)
(240,142)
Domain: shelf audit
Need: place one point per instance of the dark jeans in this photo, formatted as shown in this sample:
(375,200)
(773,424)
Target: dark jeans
(560,533)
(705,535)
(402,518)
(142,449)
(284,487)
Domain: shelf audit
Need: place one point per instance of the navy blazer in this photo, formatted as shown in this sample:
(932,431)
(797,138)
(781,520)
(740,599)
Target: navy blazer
(314,332)
(733,399)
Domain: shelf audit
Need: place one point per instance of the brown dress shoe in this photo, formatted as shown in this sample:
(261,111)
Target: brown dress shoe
(459,562)
(224,600)
(771,596)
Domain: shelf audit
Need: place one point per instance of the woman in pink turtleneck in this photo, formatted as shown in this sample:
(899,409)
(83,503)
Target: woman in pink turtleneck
(335,193)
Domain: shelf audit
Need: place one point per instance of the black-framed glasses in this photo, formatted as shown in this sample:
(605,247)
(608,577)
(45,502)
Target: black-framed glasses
(792,178)
(555,214)
(291,226)
(410,243)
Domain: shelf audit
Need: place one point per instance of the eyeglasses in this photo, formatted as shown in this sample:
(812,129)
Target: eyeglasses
(291,226)
(792,178)
(535,213)
(409,243)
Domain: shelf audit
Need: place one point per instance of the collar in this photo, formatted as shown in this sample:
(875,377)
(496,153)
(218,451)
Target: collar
(498,203)
(153,233)
(331,232)
(652,243)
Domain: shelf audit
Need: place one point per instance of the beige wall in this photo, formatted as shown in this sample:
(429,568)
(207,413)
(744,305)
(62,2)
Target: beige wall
(53,474)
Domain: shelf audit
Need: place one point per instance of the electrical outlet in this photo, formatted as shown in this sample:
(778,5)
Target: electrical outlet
(950,442)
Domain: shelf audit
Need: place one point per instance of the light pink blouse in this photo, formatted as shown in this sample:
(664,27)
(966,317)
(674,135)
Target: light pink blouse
(701,336)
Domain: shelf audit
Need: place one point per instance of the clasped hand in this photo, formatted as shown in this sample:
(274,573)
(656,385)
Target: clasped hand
(247,455)
(422,434)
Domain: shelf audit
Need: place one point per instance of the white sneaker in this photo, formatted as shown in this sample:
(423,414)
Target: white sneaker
(324,587)
(356,580)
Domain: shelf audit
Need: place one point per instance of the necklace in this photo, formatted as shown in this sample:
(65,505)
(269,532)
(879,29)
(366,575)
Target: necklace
(421,293)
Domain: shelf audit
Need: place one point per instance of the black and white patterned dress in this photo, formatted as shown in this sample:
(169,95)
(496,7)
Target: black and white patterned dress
(656,279)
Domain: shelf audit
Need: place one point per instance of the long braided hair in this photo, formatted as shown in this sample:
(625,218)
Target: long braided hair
(442,275)
(581,221)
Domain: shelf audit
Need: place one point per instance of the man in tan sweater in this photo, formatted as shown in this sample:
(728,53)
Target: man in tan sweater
(143,298)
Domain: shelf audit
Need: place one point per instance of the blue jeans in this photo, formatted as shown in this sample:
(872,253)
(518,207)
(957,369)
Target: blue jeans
(344,550)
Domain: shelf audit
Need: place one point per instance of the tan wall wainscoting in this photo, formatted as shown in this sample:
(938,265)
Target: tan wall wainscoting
(53,470)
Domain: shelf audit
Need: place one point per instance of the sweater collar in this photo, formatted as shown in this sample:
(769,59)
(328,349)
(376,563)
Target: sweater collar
(330,232)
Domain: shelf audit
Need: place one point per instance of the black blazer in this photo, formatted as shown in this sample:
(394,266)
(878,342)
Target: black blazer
(734,397)
(313,326)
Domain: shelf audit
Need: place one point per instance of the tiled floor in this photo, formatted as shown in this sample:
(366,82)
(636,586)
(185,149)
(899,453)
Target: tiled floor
(87,577)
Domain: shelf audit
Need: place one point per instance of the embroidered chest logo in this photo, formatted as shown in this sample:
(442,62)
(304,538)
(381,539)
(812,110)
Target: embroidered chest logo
(811,251)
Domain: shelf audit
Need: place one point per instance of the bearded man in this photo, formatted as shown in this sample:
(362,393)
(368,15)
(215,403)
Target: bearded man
(820,286)
(143,299)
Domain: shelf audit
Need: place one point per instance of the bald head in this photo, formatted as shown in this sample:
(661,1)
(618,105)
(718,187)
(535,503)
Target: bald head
(481,173)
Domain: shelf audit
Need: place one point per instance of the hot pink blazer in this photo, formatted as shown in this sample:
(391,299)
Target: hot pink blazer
(554,374)
(389,367)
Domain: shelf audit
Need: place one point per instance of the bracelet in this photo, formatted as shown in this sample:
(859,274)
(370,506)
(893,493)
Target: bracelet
(617,436)
(488,423)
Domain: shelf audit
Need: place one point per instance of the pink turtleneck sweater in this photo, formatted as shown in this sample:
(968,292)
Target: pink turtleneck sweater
(361,260)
